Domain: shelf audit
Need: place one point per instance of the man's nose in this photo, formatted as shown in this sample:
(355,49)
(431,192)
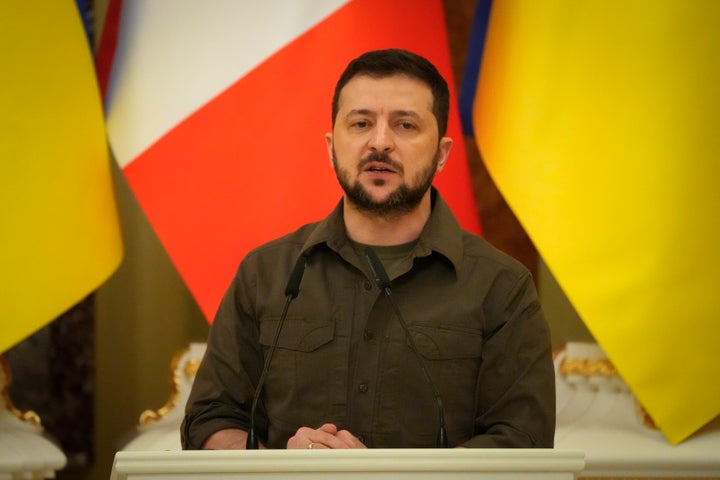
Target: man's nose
(381,139)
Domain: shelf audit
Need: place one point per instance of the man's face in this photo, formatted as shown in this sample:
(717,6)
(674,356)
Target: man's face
(384,146)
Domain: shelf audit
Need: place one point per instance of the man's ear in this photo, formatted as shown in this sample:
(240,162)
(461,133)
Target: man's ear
(446,144)
(329,142)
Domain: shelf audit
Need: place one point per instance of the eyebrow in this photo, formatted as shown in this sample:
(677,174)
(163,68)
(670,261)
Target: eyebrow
(396,113)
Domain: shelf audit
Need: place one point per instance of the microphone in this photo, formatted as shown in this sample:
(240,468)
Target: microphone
(291,291)
(383,283)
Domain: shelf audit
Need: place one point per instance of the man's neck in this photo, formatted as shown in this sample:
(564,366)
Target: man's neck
(394,229)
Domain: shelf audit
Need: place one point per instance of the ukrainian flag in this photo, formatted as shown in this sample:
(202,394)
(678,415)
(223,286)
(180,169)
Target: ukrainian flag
(599,120)
(59,232)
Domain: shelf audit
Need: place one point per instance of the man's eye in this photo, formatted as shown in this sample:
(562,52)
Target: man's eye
(360,124)
(407,126)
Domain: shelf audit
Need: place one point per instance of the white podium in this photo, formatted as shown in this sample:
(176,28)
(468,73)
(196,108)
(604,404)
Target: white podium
(596,414)
(373,464)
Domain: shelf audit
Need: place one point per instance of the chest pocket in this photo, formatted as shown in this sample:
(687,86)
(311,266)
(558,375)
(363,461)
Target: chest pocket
(452,357)
(301,383)
(440,343)
(298,333)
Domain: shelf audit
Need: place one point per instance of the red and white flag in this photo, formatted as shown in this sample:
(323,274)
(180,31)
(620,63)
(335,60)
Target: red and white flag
(217,112)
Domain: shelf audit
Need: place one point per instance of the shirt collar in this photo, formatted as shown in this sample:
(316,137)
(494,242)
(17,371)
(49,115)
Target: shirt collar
(442,232)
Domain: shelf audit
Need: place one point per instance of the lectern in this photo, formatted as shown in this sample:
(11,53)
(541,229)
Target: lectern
(374,464)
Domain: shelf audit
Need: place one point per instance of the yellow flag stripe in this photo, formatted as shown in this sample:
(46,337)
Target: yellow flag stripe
(599,122)
(60,237)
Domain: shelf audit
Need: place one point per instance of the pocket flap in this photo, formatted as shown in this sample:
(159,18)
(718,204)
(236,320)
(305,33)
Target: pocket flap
(437,343)
(298,333)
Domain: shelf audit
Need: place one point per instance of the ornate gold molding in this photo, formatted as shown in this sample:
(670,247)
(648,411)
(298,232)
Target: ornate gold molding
(600,367)
(150,416)
(191,367)
(27,416)
(587,367)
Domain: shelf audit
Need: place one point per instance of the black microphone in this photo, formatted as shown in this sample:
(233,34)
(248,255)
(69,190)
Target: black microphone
(383,283)
(291,291)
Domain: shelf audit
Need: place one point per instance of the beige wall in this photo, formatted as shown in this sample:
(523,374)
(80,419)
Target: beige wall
(144,315)
(564,321)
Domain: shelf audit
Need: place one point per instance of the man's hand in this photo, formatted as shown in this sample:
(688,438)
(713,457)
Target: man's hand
(326,436)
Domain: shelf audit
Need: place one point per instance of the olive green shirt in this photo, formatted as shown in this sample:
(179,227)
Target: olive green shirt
(343,356)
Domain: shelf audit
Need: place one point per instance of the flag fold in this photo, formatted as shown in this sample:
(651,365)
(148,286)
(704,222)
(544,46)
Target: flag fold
(59,232)
(220,129)
(598,122)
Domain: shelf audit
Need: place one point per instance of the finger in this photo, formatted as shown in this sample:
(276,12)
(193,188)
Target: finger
(301,439)
(349,439)
(295,443)
(309,438)
(340,440)
(324,439)
(329,428)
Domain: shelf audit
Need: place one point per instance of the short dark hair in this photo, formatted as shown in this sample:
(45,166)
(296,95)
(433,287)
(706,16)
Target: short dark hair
(385,63)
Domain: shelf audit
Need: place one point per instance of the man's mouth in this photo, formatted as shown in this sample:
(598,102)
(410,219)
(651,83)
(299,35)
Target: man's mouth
(380,163)
(375,167)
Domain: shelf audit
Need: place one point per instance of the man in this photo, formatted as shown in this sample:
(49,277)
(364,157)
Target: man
(344,374)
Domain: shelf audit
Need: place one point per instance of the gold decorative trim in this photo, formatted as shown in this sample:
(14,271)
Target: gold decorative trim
(191,367)
(601,367)
(27,416)
(587,367)
(150,416)
(646,418)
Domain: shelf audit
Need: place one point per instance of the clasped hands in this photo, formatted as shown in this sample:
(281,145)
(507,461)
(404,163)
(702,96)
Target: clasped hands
(325,437)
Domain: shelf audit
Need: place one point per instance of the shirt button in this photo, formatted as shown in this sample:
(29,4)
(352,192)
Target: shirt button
(363,388)
(367,285)
(367,335)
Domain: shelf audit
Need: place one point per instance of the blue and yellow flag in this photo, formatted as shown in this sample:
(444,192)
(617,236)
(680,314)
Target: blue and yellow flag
(598,121)
(59,232)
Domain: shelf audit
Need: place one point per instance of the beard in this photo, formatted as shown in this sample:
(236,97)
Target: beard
(402,200)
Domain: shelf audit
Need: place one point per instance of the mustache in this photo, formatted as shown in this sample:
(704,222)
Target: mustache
(380,157)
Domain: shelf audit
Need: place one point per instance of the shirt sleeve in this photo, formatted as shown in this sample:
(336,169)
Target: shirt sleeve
(516,385)
(222,392)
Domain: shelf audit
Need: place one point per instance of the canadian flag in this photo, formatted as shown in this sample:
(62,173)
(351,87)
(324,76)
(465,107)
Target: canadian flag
(217,110)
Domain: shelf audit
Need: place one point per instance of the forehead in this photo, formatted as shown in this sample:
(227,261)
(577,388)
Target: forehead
(389,92)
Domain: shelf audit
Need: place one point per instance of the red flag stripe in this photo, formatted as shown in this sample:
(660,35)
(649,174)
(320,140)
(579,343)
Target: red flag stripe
(251,164)
(106,45)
